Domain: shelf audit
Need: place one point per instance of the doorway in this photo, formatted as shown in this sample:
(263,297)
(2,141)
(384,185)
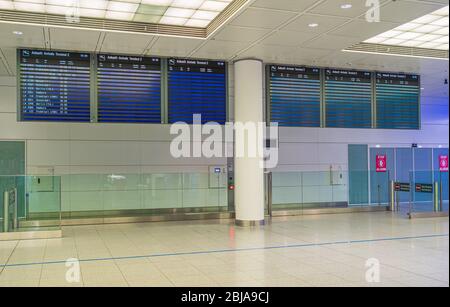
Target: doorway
(12,171)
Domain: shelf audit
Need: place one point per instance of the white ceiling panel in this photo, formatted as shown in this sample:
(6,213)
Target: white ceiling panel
(284,54)
(271,53)
(173,46)
(216,49)
(125,43)
(312,54)
(10,56)
(333,8)
(4,67)
(32,36)
(332,42)
(324,23)
(363,30)
(3,71)
(343,59)
(288,5)
(404,11)
(262,18)
(288,38)
(389,63)
(71,39)
(240,34)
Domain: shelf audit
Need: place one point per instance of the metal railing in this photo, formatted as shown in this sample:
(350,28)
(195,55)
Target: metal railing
(10,211)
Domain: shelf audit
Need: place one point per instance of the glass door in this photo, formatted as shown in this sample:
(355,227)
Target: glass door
(12,169)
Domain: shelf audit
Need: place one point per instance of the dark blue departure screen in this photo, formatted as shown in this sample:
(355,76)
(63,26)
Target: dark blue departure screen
(398,99)
(129,89)
(295,96)
(348,98)
(54,86)
(197,87)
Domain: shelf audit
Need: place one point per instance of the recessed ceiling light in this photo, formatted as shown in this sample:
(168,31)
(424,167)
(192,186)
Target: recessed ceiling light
(313,25)
(17,32)
(346,6)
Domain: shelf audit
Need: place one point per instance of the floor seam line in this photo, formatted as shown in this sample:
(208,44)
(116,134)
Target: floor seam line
(9,258)
(237,250)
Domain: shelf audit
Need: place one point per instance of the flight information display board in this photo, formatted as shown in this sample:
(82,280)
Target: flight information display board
(129,89)
(294,96)
(398,101)
(54,86)
(197,87)
(348,98)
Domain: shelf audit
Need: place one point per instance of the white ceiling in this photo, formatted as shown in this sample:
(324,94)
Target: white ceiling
(273,30)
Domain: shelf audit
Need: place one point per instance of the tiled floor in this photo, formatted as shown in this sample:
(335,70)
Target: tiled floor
(327,250)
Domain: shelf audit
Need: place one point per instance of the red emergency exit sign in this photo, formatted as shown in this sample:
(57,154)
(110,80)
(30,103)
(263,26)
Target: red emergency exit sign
(443,163)
(381,164)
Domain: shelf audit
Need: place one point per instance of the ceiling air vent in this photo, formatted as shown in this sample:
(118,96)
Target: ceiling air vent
(100,24)
(399,51)
(232,9)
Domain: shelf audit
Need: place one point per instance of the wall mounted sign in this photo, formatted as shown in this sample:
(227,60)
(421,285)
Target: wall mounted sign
(402,187)
(443,163)
(424,188)
(381,164)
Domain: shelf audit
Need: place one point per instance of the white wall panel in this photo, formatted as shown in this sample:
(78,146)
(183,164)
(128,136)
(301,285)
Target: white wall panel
(48,153)
(105,132)
(333,153)
(300,135)
(11,129)
(8,99)
(298,153)
(105,153)
(158,153)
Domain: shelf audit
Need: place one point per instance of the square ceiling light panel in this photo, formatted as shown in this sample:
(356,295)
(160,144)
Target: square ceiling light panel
(190,13)
(429,31)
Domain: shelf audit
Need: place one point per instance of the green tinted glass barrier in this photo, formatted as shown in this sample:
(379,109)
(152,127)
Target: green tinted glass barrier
(429,192)
(327,189)
(99,195)
(24,198)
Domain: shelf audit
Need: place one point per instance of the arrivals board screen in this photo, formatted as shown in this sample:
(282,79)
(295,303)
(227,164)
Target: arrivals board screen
(348,98)
(54,86)
(294,96)
(129,89)
(398,99)
(197,87)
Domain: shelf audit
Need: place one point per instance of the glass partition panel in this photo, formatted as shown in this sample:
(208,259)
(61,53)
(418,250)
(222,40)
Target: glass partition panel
(359,187)
(287,191)
(309,190)
(379,181)
(358,174)
(325,189)
(41,200)
(441,176)
(423,189)
(100,195)
(442,179)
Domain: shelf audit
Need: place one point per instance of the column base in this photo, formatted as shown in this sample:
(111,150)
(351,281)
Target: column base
(241,223)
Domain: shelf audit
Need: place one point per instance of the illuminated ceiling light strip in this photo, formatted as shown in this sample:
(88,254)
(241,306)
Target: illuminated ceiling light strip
(195,13)
(430,31)
(93,17)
